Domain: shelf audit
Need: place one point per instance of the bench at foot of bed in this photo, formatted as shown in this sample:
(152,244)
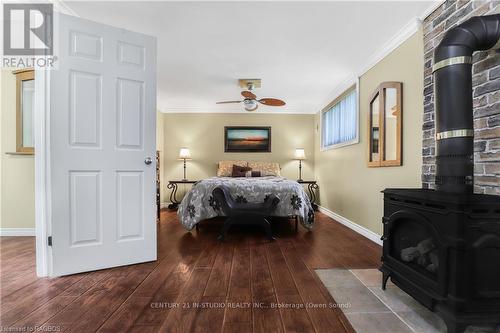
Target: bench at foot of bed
(252,221)
(244,213)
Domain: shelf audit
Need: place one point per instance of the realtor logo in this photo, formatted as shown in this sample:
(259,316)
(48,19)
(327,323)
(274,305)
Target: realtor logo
(28,29)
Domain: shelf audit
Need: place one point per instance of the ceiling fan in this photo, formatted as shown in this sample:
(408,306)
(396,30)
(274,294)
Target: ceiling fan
(250,102)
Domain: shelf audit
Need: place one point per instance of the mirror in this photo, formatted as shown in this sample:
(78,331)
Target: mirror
(375,129)
(27,96)
(385,125)
(391,124)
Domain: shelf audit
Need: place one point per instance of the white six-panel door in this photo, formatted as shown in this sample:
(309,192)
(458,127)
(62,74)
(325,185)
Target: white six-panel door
(102,131)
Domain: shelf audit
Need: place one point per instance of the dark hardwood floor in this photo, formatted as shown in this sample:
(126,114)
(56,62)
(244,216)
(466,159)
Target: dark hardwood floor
(192,269)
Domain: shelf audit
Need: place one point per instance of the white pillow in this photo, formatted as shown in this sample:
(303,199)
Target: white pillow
(266,168)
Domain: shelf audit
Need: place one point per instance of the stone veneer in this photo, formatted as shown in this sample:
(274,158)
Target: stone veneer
(486,93)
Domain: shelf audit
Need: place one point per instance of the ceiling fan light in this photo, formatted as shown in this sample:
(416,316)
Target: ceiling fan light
(250,104)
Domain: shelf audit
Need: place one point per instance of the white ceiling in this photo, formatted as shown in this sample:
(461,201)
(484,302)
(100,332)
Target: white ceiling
(301,50)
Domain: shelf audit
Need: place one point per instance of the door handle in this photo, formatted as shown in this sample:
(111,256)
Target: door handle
(148,160)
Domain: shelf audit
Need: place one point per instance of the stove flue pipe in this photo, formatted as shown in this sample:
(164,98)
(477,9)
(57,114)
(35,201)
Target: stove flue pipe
(453,100)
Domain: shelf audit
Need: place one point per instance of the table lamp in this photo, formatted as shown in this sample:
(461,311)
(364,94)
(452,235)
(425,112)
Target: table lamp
(184,155)
(300,155)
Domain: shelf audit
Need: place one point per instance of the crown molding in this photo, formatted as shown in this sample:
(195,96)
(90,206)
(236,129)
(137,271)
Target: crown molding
(399,38)
(408,30)
(340,88)
(435,4)
(194,109)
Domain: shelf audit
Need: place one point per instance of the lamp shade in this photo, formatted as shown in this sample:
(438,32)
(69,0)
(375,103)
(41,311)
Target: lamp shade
(300,154)
(184,153)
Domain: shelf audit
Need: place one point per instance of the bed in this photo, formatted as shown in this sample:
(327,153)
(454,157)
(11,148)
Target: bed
(198,204)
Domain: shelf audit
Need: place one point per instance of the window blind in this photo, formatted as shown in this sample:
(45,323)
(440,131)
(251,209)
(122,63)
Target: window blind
(339,123)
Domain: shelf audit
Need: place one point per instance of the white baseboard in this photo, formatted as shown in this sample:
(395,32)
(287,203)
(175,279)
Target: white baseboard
(374,237)
(17,231)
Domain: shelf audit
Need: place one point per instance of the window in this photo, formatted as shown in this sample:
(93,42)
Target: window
(339,121)
(25,93)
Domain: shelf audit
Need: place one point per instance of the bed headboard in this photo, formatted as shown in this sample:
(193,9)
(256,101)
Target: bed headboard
(225,168)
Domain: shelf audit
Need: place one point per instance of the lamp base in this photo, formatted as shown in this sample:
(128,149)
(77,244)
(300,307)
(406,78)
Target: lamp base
(185,177)
(300,180)
(300,171)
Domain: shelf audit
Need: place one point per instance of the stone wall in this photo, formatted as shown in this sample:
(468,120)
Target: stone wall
(486,93)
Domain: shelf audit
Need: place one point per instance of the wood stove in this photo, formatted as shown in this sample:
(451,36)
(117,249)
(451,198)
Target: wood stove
(459,275)
(443,246)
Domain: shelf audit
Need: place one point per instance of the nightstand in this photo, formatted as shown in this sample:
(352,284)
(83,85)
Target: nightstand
(312,186)
(173,185)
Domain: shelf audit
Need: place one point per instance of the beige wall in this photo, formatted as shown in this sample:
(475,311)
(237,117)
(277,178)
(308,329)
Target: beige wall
(17,196)
(347,186)
(203,134)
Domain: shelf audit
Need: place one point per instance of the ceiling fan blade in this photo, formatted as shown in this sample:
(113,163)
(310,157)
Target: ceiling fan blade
(228,102)
(248,94)
(272,101)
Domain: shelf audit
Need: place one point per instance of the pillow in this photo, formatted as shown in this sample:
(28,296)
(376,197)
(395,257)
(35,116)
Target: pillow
(225,168)
(266,168)
(240,171)
(252,173)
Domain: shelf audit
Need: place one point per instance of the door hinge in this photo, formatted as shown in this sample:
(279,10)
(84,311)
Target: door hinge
(49,241)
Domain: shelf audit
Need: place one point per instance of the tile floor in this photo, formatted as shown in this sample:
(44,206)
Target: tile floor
(372,310)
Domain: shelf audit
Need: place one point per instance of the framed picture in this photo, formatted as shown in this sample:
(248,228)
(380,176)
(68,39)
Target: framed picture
(247,139)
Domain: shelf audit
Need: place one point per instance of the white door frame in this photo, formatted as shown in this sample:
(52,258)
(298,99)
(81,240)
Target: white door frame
(42,172)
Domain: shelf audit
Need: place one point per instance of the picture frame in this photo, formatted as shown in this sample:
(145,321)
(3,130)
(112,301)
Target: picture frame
(247,139)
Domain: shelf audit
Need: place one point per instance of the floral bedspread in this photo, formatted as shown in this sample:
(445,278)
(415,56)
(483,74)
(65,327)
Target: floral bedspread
(199,204)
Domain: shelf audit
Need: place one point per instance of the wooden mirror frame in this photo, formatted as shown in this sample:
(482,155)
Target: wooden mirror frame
(21,75)
(380,93)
